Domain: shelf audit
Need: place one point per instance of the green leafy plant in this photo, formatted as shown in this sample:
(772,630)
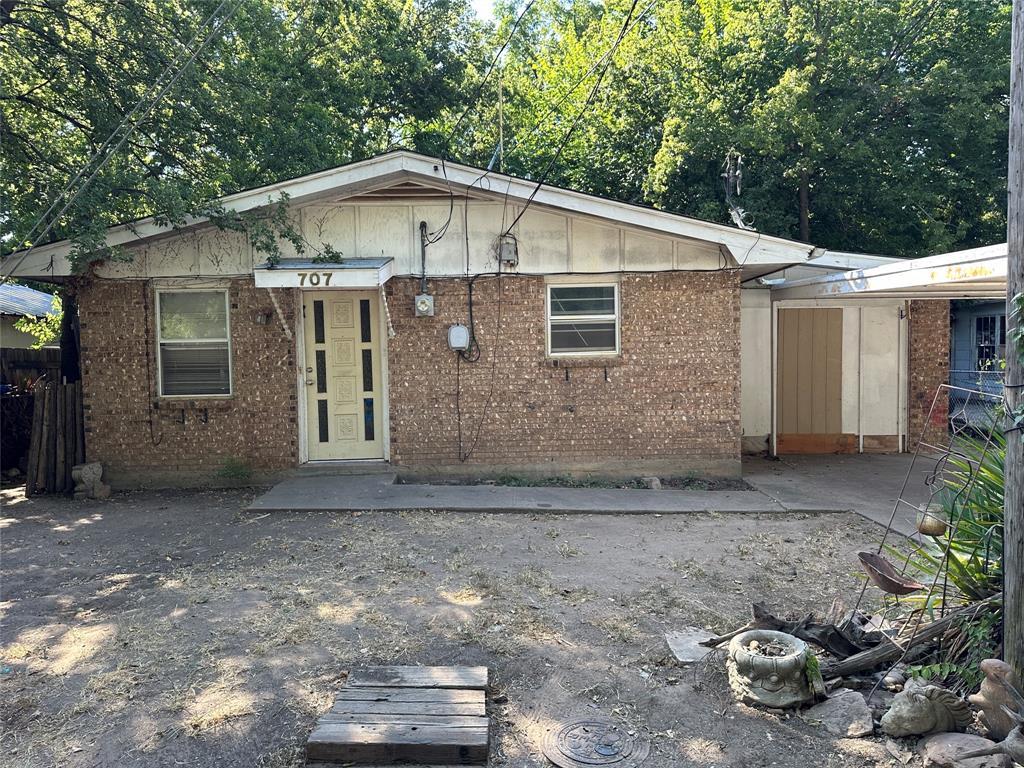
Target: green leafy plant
(965,563)
(971,570)
(46,329)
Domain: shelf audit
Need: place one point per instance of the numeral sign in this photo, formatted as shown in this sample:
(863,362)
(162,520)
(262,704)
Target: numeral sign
(315,278)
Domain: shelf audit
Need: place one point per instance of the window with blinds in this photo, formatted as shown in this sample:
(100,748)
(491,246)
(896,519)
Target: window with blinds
(583,320)
(194,343)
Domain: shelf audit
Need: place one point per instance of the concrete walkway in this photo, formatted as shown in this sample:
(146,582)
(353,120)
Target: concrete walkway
(379,491)
(865,484)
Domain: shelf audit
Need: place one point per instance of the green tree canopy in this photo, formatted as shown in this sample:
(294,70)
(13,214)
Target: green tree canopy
(288,88)
(889,116)
(867,126)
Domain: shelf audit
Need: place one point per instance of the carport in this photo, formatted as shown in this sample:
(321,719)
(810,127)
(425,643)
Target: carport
(856,354)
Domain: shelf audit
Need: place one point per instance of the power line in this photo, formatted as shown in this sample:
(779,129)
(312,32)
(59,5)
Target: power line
(31,239)
(564,97)
(473,102)
(576,120)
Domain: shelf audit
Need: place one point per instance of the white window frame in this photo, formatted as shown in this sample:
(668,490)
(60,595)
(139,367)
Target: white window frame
(160,342)
(616,318)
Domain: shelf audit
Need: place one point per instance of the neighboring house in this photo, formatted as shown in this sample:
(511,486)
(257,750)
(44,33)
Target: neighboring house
(920,290)
(16,301)
(602,336)
(977,353)
(977,341)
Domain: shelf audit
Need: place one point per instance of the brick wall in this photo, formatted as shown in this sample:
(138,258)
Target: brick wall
(671,401)
(928,367)
(140,437)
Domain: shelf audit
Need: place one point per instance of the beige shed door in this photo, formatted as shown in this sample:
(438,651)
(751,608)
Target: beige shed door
(810,383)
(343,387)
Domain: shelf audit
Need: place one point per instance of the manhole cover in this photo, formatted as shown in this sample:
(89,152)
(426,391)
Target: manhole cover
(593,741)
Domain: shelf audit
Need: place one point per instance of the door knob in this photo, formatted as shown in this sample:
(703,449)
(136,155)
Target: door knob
(309,382)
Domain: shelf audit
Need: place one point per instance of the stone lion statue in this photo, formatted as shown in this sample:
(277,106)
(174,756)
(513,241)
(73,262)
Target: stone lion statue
(922,708)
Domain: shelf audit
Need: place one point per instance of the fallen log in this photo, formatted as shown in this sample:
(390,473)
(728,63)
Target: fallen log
(829,637)
(889,652)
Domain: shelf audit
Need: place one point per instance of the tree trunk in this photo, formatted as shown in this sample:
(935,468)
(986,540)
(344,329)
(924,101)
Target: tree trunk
(1013,541)
(805,206)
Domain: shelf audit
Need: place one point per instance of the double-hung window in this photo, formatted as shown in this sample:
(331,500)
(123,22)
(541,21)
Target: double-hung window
(194,348)
(583,319)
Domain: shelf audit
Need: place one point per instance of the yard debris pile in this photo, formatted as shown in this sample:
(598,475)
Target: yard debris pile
(902,671)
(849,685)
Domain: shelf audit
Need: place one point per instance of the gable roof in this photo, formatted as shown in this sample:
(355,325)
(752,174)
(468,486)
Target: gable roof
(21,300)
(401,173)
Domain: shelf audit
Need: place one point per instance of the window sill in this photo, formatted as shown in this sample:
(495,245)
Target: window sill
(583,361)
(196,402)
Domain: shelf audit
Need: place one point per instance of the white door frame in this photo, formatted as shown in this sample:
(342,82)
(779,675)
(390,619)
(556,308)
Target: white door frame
(300,379)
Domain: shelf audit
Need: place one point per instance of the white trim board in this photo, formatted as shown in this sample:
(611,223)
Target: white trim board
(745,246)
(975,273)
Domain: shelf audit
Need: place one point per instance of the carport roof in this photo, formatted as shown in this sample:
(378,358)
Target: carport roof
(978,273)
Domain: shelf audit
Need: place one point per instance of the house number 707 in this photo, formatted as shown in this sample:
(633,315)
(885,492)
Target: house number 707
(313,278)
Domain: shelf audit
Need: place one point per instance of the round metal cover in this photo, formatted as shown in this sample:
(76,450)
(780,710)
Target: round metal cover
(593,741)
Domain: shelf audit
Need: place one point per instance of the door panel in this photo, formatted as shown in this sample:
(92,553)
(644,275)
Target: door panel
(344,398)
(810,382)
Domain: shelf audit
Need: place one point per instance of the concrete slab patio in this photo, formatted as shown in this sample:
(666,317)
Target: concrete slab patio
(381,492)
(865,484)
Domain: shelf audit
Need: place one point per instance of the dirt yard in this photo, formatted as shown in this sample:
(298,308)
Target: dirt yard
(165,629)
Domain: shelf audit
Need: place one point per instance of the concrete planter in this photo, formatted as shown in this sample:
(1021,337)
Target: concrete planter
(776,680)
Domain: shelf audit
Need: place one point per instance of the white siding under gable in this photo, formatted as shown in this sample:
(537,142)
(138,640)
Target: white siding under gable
(550,242)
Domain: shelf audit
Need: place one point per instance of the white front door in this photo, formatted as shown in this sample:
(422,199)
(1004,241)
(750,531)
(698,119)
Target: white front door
(344,392)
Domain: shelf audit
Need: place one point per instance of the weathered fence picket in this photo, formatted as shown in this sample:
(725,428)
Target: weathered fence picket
(58,439)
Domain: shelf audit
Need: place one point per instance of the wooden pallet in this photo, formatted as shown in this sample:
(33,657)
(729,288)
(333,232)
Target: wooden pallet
(434,715)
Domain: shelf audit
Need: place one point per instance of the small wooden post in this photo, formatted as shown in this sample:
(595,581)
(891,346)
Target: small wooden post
(1013,536)
(80,427)
(59,439)
(43,393)
(38,393)
(52,420)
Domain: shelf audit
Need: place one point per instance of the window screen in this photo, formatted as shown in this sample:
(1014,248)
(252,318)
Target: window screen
(583,319)
(192,328)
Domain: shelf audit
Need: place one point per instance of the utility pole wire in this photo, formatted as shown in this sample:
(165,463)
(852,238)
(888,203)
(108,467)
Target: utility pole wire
(436,236)
(576,120)
(154,102)
(572,89)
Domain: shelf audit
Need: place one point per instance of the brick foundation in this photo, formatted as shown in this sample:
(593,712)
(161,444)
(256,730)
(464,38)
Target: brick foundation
(142,438)
(669,403)
(928,368)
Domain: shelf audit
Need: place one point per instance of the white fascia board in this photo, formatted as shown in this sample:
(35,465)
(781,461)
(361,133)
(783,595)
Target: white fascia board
(847,261)
(746,246)
(975,272)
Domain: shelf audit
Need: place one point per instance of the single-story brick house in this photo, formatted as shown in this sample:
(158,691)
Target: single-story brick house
(474,324)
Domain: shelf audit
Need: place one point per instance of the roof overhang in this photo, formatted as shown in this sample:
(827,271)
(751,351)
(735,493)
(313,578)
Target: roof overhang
(746,247)
(348,273)
(979,273)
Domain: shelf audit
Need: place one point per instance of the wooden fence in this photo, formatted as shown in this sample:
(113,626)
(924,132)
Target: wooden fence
(19,365)
(58,438)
